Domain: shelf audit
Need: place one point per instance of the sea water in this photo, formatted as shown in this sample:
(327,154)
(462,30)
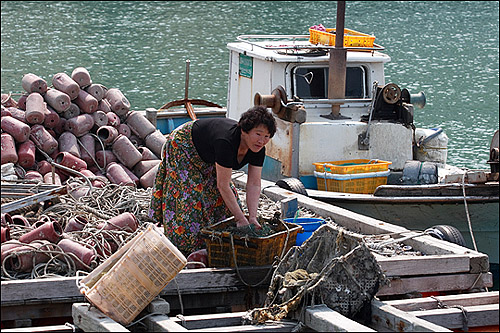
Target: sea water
(447,49)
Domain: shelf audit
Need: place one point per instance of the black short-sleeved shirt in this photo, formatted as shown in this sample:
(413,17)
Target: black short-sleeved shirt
(218,139)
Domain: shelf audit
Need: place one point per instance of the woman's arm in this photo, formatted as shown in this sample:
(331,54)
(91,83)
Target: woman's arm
(223,185)
(253,192)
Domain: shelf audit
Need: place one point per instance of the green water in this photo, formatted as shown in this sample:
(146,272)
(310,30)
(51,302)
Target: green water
(447,49)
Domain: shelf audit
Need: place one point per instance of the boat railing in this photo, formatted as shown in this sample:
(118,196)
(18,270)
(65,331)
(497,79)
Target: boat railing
(298,42)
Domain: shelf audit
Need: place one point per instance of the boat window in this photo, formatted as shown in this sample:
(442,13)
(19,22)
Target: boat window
(312,82)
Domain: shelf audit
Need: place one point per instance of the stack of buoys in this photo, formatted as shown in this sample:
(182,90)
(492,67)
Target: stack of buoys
(82,126)
(46,239)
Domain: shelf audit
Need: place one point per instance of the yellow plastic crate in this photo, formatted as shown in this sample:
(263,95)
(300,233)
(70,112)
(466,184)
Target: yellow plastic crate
(351,176)
(352,38)
(365,185)
(352,166)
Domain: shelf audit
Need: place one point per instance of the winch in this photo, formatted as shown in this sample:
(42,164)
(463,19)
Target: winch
(396,104)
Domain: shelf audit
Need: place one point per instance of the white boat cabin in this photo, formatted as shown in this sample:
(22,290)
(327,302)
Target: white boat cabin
(260,64)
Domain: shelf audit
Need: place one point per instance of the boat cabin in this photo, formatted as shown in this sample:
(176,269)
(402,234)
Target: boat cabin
(260,64)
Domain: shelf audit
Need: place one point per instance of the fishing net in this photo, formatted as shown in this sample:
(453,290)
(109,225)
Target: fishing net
(333,267)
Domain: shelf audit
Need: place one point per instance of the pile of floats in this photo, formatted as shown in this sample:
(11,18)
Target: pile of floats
(80,128)
(82,136)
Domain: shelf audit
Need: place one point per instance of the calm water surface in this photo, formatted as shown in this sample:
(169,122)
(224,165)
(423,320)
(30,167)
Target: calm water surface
(448,49)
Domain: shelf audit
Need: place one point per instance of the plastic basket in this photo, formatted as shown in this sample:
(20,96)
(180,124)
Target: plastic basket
(352,38)
(123,285)
(249,251)
(352,166)
(364,183)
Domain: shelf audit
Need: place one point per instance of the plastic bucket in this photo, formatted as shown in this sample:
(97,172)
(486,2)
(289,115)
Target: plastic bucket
(309,225)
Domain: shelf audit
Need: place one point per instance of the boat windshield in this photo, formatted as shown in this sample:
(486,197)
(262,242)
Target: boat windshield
(311,82)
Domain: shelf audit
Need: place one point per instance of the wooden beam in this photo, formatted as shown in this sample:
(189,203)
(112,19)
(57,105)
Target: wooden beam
(218,322)
(51,328)
(162,323)
(90,319)
(282,326)
(362,224)
(392,319)
(211,320)
(37,311)
(323,319)
(444,282)
(428,303)
(453,318)
(406,265)
(188,281)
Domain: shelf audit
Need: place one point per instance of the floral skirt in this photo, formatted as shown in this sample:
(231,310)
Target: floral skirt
(185,195)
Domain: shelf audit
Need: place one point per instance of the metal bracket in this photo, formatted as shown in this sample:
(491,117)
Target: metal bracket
(363,141)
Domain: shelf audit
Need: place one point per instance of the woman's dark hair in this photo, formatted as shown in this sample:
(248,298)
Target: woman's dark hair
(256,116)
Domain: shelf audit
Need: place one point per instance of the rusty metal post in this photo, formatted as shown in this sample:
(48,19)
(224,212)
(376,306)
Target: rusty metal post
(186,82)
(337,64)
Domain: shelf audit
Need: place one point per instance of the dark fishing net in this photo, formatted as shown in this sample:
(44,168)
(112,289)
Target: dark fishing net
(333,267)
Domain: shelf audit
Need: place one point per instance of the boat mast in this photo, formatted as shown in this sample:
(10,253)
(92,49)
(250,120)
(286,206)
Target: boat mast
(337,65)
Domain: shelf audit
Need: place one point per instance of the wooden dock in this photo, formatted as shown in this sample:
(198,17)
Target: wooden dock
(219,292)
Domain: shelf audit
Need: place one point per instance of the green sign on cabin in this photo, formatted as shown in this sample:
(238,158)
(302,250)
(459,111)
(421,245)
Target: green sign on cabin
(246,66)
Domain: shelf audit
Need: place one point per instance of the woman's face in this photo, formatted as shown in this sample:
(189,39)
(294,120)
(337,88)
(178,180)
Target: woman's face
(256,138)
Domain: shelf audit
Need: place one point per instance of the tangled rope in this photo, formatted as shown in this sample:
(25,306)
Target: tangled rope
(100,205)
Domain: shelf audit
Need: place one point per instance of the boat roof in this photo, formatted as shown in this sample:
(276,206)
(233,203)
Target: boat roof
(297,48)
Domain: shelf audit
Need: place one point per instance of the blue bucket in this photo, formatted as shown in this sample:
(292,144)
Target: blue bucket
(309,225)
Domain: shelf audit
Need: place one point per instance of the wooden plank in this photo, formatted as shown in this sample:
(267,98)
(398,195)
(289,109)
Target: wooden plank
(211,320)
(427,303)
(406,265)
(39,290)
(162,323)
(323,319)
(369,226)
(36,311)
(479,262)
(390,318)
(453,318)
(282,326)
(51,328)
(223,322)
(445,282)
(188,281)
(90,319)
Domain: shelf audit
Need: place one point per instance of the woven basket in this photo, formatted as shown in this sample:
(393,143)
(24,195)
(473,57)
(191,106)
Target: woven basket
(249,251)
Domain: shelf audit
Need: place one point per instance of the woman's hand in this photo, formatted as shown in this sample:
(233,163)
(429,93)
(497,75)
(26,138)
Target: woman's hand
(244,222)
(253,220)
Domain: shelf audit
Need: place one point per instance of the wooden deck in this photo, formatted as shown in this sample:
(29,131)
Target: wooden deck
(445,267)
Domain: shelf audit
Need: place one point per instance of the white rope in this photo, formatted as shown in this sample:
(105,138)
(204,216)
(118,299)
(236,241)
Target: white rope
(467,212)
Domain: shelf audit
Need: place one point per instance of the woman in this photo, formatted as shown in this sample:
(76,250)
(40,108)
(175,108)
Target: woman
(193,185)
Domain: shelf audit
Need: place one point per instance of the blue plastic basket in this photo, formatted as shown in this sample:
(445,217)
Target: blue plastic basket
(308,224)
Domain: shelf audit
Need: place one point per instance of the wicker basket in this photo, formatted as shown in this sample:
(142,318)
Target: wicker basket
(123,285)
(249,251)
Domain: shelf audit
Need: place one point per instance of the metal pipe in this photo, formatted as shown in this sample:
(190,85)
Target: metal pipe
(186,86)
(337,62)
(336,100)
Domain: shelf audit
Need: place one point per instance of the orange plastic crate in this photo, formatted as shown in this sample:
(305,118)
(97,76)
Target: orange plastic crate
(352,38)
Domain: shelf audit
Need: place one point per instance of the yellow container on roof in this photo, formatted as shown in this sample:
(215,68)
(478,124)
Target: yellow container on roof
(352,38)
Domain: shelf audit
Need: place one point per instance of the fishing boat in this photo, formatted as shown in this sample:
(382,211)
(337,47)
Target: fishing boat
(404,178)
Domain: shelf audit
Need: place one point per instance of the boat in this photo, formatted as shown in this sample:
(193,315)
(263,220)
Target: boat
(372,123)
